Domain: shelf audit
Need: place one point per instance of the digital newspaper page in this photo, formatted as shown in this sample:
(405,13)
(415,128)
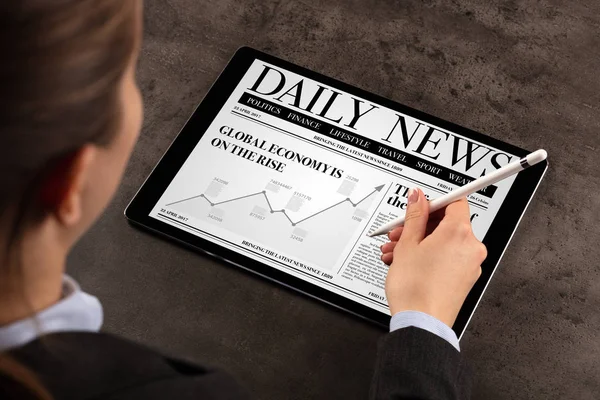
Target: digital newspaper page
(295,174)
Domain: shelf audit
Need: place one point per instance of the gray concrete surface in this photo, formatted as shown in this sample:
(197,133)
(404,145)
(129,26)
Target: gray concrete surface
(524,71)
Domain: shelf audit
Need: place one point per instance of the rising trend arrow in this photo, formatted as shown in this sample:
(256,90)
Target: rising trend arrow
(264,193)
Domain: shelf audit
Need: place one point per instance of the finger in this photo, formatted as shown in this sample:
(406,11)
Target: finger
(388,247)
(458,210)
(387,258)
(432,223)
(395,233)
(417,215)
(437,215)
(430,229)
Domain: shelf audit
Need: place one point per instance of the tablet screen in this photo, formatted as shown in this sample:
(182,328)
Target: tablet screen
(294,173)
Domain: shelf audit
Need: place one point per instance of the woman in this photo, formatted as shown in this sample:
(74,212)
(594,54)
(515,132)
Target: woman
(70,113)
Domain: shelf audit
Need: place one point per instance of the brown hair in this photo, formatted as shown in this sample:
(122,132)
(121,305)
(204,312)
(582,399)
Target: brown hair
(62,64)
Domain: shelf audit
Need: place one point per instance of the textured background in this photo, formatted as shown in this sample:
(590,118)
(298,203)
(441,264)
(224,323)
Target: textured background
(521,71)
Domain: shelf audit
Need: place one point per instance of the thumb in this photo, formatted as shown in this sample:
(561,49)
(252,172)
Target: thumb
(417,214)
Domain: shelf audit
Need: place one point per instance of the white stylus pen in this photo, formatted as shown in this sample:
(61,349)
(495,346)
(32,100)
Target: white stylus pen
(472,187)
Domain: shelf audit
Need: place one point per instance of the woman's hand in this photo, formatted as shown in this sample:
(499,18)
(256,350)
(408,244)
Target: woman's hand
(434,260)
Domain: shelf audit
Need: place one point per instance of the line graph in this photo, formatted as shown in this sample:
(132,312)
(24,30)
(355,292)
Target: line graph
(314,228)
(264,193)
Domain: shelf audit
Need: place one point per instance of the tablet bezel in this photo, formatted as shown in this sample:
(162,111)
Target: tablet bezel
(496,240)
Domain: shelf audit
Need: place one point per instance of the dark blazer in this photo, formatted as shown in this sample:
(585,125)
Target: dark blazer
(411,364)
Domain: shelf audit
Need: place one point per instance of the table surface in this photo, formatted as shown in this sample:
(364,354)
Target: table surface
(521,71)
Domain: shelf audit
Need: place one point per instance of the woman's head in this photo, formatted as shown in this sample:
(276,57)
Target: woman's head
(70,112)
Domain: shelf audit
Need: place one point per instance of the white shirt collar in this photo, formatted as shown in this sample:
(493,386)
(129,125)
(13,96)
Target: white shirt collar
(75,312)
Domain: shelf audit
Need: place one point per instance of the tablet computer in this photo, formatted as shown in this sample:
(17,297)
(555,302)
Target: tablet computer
(283,172)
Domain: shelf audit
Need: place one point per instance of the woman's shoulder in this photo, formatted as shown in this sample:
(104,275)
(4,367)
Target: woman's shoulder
(97,365)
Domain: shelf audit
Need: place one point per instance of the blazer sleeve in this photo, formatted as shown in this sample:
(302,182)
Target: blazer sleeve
(413,363)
